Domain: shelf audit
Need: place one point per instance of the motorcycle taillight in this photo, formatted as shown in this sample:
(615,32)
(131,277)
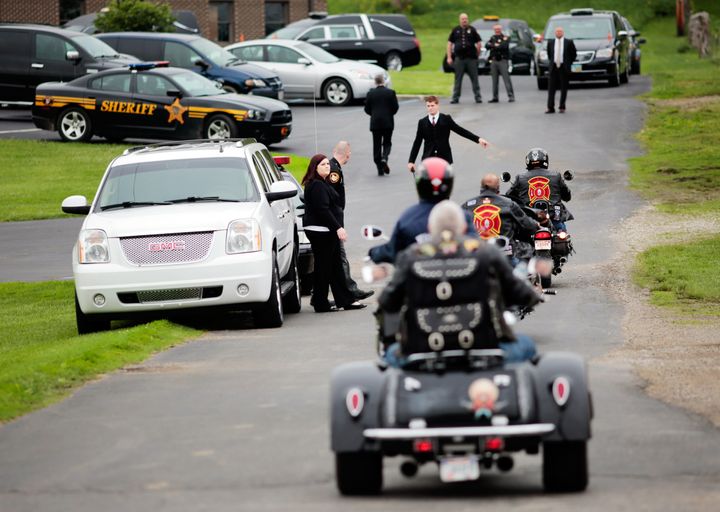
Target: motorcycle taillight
(543,235)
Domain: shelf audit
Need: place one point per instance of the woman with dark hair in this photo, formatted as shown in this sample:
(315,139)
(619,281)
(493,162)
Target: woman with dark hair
(322,211)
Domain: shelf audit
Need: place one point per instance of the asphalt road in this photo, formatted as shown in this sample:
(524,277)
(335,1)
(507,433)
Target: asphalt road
(238,420)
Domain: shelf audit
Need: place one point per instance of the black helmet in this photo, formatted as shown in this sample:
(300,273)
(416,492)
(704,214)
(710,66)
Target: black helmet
(434,179)
(537,157)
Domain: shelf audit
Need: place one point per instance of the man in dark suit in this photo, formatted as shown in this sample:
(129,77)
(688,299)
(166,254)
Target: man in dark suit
(381,105)
(434,131)
(561,54)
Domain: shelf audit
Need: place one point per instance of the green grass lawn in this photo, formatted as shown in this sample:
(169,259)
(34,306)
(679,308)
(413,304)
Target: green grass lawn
(683,276)
(37,175)
(42,359)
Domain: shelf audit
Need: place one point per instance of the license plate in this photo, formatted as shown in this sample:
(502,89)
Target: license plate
(543,245)
(281,95)
(576,68)
(459,469)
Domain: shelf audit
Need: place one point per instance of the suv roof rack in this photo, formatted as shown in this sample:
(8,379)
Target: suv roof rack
(192,142)
(584,11)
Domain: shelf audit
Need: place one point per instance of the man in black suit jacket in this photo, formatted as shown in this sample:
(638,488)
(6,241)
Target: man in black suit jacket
(434,131)
(381,105)
(559,68)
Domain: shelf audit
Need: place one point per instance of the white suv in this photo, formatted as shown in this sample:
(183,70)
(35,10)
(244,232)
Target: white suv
(187,225)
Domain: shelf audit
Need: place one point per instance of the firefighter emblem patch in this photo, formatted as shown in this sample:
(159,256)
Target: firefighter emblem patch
(487,222)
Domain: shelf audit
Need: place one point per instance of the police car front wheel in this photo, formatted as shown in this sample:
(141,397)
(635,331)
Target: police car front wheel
(220,126)
(74,125)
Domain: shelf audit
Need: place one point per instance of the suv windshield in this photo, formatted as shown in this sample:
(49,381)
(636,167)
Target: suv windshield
(226,179)
(316,53)
(94,46)
(197,85)
(581,28)
(216,53)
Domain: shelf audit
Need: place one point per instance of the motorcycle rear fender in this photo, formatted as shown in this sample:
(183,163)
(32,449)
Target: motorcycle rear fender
(346,432)
(572,420)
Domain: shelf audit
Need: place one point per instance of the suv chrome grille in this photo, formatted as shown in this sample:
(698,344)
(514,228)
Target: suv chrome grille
(584,57)
(167,249)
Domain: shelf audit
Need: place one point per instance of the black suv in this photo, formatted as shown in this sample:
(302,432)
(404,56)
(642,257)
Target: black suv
(33,54)
(602,45)
(522,47)
(386,39)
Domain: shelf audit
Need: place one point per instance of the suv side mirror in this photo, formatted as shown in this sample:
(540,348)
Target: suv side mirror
(281,190)
(72,55)
(568,175)
(506,177)
(304,61)
(76,205)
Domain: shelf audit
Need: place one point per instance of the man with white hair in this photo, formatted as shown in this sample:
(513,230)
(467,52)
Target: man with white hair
(458,273)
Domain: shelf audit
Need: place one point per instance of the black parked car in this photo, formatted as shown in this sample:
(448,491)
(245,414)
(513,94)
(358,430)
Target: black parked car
(634,47)
(33,54)
(522,48)
(602,44)
(386,39)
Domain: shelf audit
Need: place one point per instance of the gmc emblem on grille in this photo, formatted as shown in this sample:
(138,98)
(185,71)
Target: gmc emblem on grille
(179,245)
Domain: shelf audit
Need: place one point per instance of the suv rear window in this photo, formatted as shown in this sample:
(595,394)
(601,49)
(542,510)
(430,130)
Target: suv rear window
(225,178)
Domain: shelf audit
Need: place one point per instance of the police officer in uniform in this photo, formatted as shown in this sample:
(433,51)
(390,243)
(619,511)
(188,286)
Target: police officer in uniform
(495,215)
(462,52)
(341,156)
(452,273)
(541,184)
(499,47)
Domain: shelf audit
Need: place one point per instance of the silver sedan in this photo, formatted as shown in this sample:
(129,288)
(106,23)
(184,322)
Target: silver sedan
(309,72)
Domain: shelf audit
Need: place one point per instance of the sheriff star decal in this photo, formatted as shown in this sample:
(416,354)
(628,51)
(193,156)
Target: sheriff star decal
(538,189)
(176,111)
(487,222)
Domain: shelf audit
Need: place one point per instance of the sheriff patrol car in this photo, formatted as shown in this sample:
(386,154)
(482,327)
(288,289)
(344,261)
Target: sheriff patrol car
(150,100)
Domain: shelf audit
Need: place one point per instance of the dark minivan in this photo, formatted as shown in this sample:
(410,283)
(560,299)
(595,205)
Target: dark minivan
(602,44)
(33,54)
(200,55)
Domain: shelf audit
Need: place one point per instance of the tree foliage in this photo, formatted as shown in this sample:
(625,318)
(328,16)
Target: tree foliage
(135,15)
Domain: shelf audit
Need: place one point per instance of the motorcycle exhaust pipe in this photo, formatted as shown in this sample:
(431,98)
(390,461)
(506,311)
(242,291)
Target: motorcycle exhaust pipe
(505,463)
(409,469)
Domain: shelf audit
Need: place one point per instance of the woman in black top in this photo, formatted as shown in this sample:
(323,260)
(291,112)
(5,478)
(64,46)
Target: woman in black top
(322,211)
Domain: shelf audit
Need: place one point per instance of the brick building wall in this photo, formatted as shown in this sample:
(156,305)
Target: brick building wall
(46,12)
(248,15)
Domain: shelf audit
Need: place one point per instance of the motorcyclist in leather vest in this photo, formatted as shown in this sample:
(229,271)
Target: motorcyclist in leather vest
(541,184)
(496,215)
(453,291)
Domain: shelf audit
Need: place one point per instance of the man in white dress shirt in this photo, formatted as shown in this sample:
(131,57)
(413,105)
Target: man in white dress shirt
(561,54)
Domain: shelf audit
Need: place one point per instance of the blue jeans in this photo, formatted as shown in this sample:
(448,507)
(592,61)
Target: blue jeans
(522,349)
(559,225)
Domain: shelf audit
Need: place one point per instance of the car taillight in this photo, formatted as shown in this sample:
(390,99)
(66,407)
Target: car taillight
(543,235)
(282,160)
(494,444)
(416,41)
(355,401)
(561,390)
(422,446)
